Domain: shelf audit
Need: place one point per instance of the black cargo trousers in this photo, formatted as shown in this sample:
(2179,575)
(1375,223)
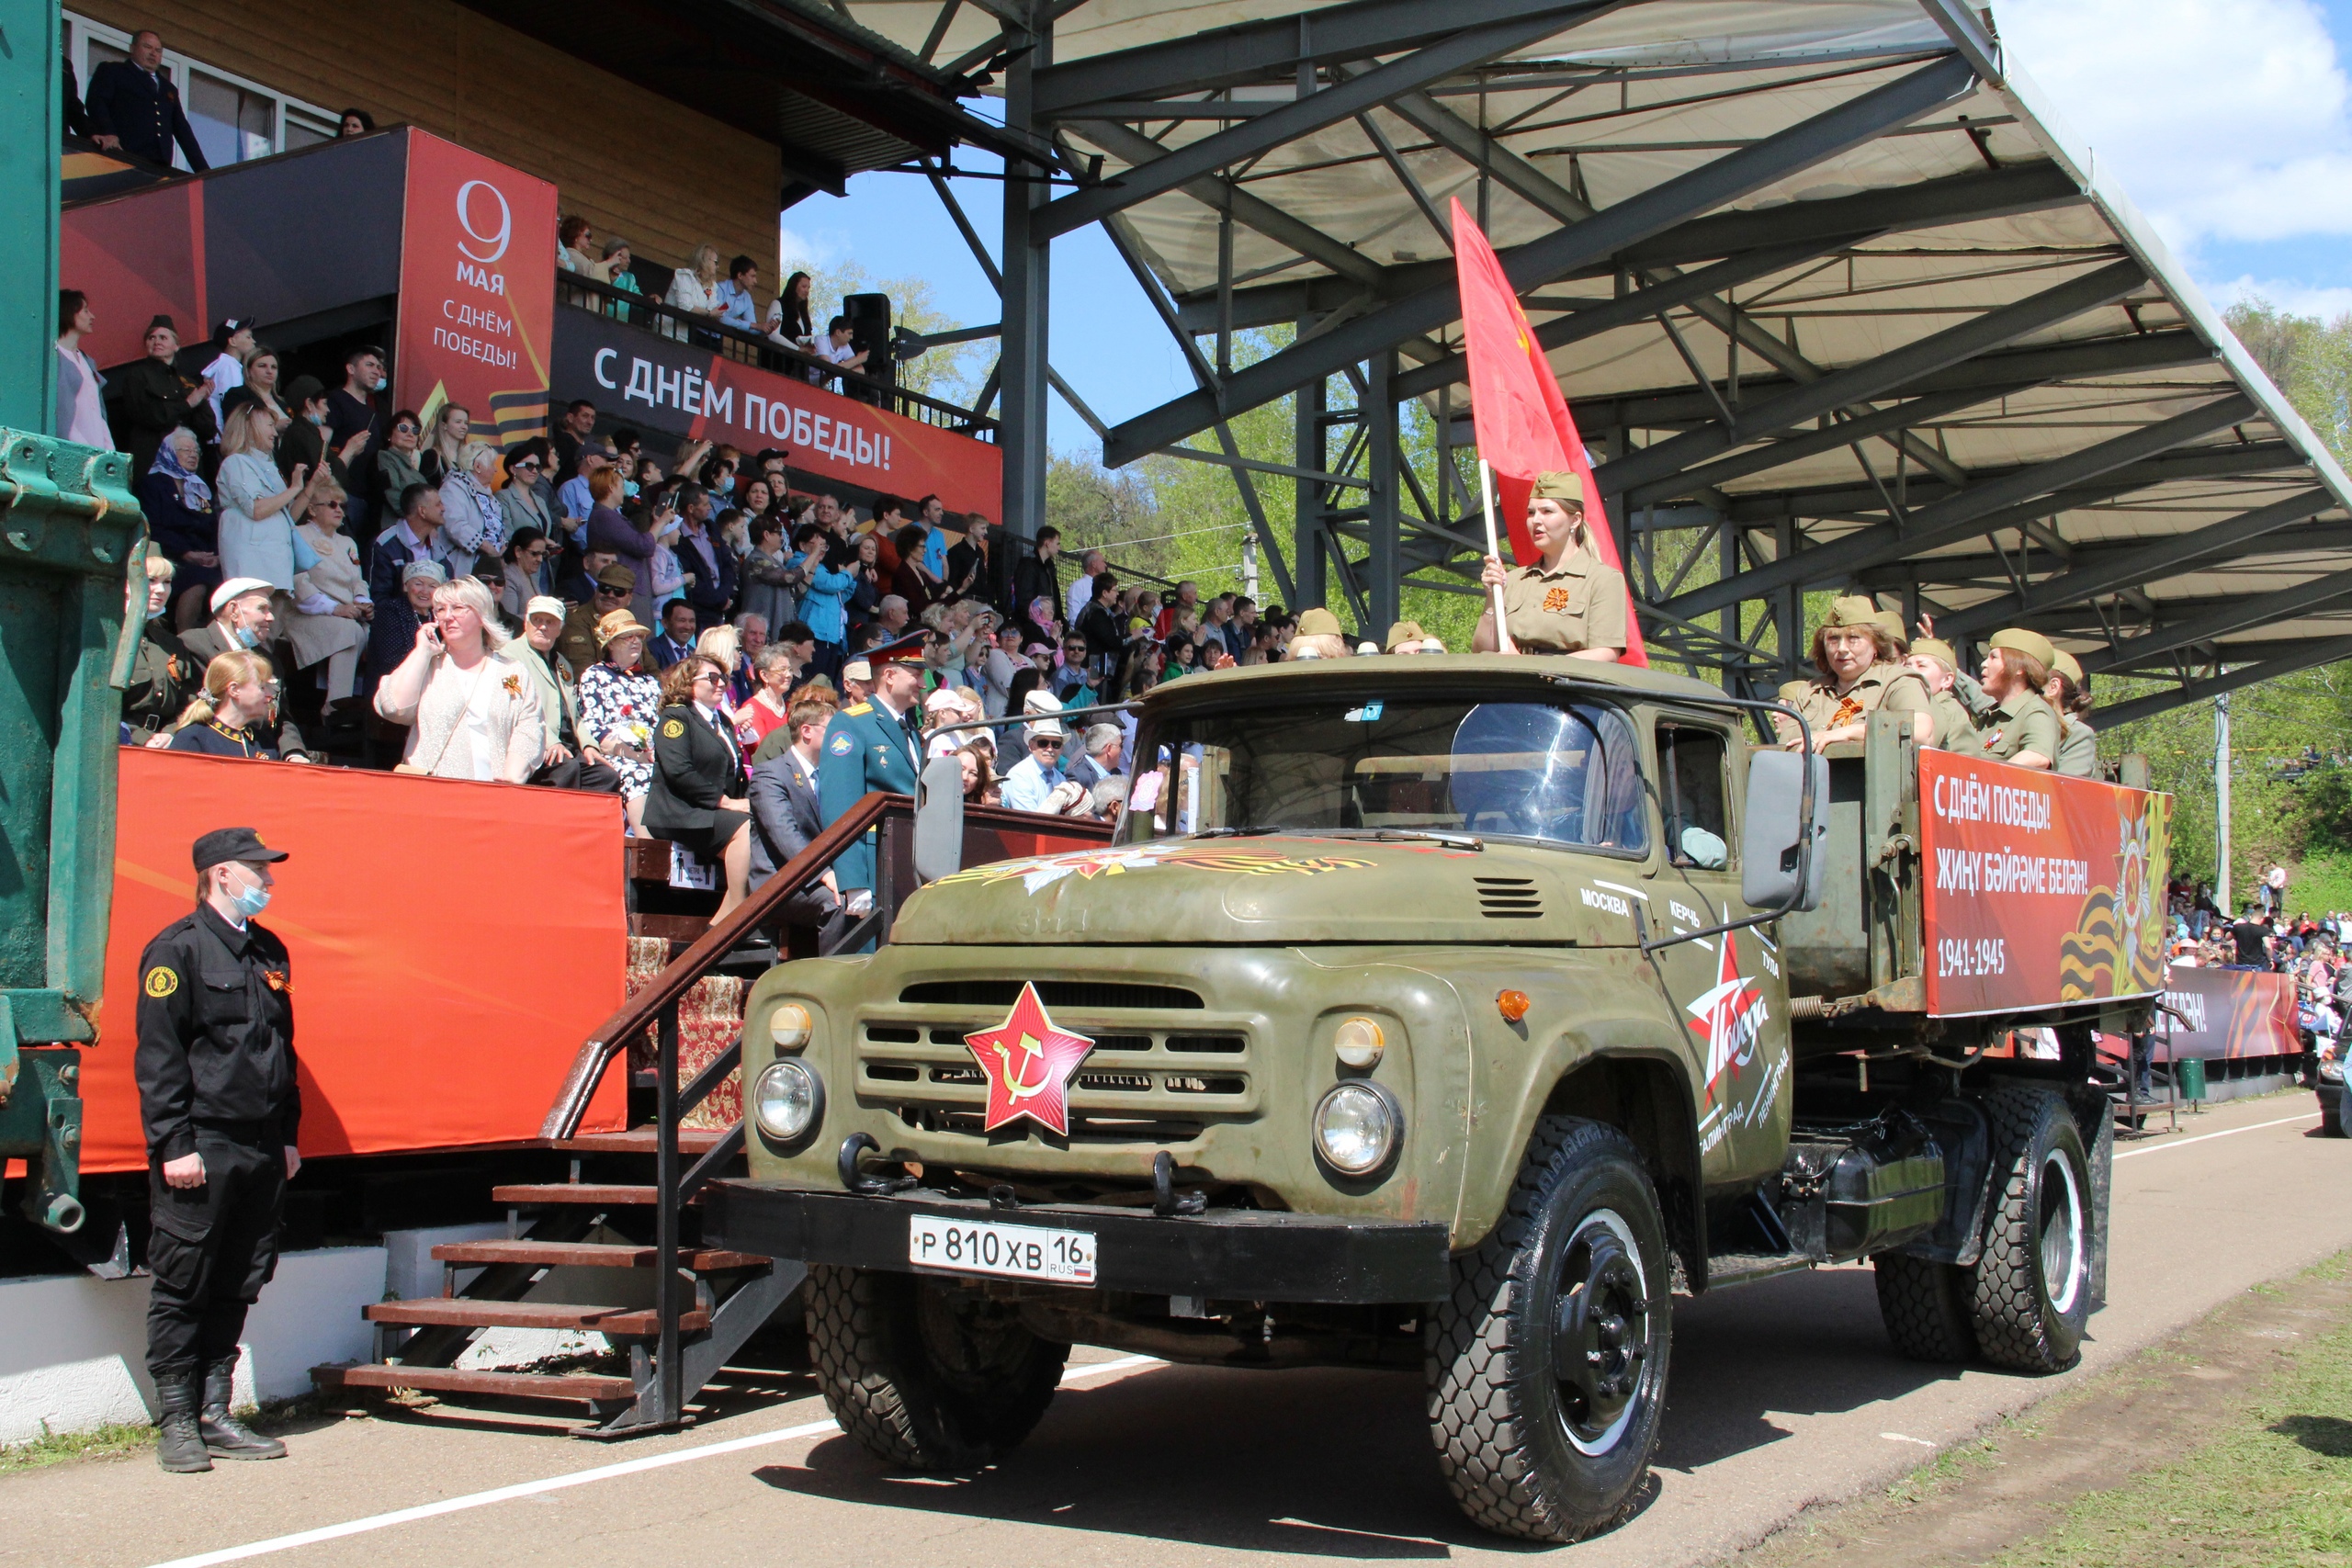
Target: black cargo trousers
(211,1248)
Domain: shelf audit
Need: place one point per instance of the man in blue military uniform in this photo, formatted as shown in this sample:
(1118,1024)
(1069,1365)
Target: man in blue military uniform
(875,745)
(134,106)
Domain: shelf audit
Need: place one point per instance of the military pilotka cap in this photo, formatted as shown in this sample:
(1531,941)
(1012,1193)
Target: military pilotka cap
(2064,663)
(224,845)
(1559,485)
(617,576)
(1853,610)
(1404,632)
(1318,622)
(1891,623)
(2033,645)
(1938,650)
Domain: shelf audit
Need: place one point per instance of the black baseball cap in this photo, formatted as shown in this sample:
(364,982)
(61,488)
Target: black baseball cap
(224,845)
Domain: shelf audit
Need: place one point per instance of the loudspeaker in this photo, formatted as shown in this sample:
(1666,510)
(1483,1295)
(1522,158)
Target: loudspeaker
(869,329)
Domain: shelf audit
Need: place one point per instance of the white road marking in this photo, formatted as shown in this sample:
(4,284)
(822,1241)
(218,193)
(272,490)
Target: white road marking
(556,1482)
(2226,1133)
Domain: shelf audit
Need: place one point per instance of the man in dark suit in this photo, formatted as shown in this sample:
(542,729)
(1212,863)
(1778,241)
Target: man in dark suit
(785,816)
(244,618)
(133,107)
(704,556)
(676,638)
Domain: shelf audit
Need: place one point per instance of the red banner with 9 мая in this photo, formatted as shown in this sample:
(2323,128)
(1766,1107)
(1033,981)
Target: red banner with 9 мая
(2038,889)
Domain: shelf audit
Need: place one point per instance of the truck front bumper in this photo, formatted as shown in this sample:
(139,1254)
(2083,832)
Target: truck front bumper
(1228,1254)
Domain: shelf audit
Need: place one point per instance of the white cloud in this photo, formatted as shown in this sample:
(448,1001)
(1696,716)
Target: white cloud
(811,253)
(2293,298)
(2225,120)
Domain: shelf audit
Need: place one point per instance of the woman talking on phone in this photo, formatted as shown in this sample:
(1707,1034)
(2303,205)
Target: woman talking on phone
(475,715)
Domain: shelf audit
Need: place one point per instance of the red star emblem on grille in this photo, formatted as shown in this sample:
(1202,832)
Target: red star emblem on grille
(1027,1063)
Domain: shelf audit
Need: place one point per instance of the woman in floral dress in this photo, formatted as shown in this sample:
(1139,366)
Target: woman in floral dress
(619,702)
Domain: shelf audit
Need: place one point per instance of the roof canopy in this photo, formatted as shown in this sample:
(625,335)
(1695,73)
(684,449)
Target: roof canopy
(1828,272)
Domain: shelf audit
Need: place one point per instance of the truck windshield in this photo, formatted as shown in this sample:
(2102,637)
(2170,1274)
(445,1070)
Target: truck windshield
(1562,773)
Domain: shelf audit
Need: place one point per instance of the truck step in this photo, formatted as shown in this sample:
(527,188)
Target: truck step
(637,1141)
(603,1195)
(589,1254)
(584,1388)
(465,1312)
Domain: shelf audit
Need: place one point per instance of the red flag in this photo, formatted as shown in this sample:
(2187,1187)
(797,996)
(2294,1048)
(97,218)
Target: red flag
(1523,423)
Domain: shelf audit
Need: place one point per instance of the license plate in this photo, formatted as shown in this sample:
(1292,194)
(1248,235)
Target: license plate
(983,1246)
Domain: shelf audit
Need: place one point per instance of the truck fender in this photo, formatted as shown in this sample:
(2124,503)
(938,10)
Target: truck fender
(1645,1092)
(1965,1137)
(2094,1118)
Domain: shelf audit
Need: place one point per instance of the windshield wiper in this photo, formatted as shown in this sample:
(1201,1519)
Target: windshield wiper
(1380,835)
(1237,832)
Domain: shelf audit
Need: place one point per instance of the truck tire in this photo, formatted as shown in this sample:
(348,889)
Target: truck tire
(2031,1297)
(1926,1308)
(923,1374)
(1574,1280)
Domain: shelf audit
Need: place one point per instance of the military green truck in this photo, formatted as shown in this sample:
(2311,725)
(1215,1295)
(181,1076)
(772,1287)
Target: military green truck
(1450,1014)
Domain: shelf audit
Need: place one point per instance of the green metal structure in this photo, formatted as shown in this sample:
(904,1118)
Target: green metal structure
(71,546)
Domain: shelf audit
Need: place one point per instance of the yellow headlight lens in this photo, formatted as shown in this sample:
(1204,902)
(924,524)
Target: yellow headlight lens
(789,1026)
(1359,1042)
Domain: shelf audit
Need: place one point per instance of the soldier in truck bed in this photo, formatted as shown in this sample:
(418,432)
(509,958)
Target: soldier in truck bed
(1855,653)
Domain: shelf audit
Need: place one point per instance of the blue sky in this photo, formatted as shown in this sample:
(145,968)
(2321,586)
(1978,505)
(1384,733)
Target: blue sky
(2228,120)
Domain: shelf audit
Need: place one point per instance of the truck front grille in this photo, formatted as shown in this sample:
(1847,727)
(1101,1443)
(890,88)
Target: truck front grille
(1146,1080)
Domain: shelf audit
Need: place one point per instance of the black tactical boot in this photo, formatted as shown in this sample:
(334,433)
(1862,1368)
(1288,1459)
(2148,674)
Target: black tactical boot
(178,1445)
(225,1437)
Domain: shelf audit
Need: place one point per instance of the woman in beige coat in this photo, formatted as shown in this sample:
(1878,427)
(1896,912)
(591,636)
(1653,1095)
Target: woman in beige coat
(474,715)
(331,605)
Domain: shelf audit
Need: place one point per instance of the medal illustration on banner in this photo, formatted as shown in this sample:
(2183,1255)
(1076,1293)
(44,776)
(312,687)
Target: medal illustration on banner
(1028,1062)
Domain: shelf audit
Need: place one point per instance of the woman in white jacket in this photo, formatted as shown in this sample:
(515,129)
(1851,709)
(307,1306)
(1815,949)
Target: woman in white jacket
(474,715)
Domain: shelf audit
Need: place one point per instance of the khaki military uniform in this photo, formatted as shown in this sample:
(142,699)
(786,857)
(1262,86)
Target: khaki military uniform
(1579,605)
(2024,723)
(578,642)
(2078,749)
(1888,686)
(1955,726)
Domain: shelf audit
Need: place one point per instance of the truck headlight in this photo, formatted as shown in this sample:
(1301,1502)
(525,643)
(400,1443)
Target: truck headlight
(788,1100)
(789,1026)
(1357,1126)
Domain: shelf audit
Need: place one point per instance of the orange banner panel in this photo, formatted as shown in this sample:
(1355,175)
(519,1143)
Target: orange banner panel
(452,944)
(2038,889)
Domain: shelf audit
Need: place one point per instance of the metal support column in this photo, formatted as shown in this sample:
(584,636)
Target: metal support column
(1309,539)
(1788,604)
(31,112)
(1022,430)
(1383,462)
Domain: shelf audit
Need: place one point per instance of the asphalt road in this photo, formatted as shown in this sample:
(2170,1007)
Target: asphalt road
(1783,1394)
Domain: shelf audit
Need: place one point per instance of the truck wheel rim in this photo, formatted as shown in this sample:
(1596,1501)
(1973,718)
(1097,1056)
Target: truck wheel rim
(1601,1332)
(2062,1232)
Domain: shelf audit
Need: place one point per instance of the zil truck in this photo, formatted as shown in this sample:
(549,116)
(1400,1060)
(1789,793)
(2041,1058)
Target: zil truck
(1457,1015)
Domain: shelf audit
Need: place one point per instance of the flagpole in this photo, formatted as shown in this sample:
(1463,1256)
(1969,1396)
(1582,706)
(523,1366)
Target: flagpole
(1494,548)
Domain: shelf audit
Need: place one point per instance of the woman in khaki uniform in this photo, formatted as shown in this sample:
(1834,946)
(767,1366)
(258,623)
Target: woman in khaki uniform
(2021,730)
(1937,666)
(1856,651)
(2069,698)
(1569,602)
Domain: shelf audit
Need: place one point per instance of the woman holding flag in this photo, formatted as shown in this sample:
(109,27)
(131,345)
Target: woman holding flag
(1569,601)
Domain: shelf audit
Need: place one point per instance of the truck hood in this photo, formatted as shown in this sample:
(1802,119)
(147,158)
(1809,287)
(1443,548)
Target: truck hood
(1280,888)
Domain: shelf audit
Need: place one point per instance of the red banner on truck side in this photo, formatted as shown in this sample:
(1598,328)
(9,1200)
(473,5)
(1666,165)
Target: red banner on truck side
(477,302)
(2038,889)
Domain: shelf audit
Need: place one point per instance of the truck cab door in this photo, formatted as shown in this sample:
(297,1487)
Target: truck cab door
(1727,990)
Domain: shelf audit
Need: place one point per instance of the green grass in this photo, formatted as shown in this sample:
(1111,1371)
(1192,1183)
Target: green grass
(57,1448)
(2274,1488)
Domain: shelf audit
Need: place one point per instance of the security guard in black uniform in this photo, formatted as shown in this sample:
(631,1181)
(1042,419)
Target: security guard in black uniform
(215,1065)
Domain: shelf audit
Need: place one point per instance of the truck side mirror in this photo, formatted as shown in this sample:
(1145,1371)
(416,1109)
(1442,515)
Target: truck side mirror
(1773,831)
(939,819)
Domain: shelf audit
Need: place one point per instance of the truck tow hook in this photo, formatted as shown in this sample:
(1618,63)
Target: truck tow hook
(856,1180)
(1166,1201)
